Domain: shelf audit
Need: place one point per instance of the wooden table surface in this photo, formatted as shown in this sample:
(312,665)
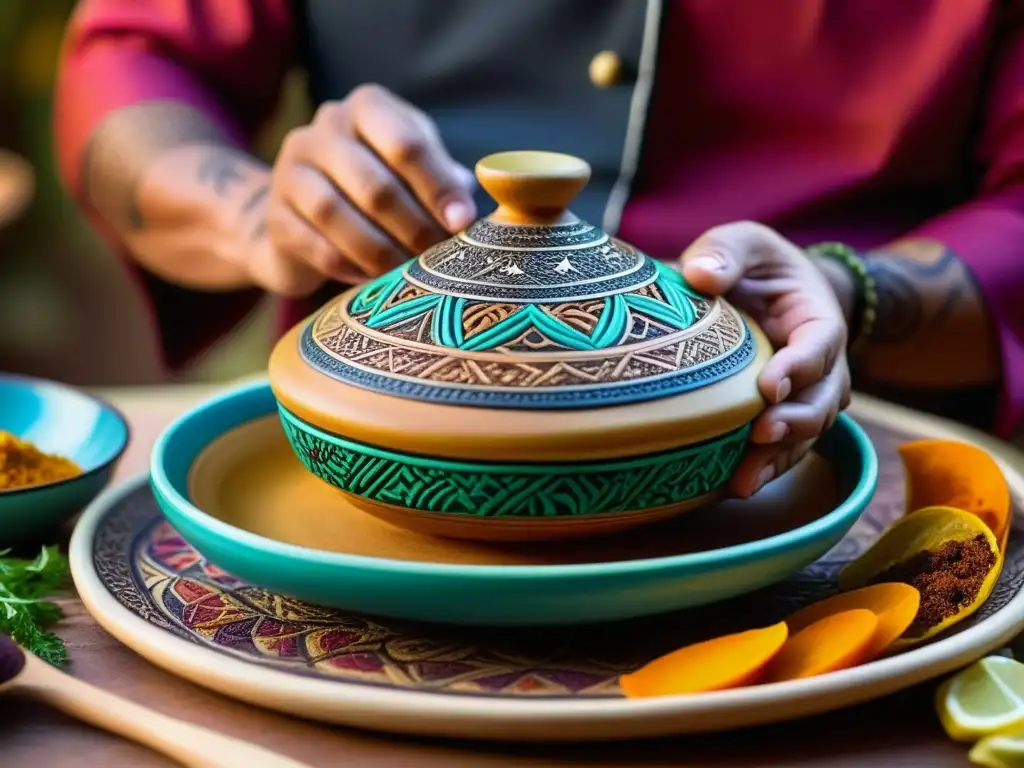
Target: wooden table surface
(900,730)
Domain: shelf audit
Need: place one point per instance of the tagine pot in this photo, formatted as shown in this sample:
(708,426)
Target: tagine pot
(529,378)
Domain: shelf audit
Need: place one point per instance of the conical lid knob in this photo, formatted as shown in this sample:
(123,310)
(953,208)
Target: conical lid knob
(532,187)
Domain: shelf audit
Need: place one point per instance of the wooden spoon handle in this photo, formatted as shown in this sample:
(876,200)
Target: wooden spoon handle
(191,745)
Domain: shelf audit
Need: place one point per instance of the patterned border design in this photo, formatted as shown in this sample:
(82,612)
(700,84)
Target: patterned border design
(557,236)
(516,490)
(538,398)
(153,573)
(498,262)
(528,317)
(398,309)
(615,284)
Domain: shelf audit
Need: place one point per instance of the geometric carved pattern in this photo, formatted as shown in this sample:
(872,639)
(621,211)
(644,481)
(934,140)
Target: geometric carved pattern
(667,365)
(393,306)
(527,317)
(561,263)
(528,490)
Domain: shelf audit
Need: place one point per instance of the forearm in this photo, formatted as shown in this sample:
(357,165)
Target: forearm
(179,195)
(933,345)
(932,331)
(928,306)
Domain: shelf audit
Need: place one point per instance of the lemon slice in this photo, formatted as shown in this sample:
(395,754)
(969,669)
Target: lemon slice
(999,752)
(984,699)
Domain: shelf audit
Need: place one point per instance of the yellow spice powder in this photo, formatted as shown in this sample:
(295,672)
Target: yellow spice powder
(23,465)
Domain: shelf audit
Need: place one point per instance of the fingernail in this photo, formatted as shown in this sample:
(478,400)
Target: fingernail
(457,215)
(778,432)
(783,390)
(764,477)
(709,261)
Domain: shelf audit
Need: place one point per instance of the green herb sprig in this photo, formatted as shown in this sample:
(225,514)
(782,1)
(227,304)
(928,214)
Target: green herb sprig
(25,613)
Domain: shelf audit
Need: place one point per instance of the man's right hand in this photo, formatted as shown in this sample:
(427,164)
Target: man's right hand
(356,192)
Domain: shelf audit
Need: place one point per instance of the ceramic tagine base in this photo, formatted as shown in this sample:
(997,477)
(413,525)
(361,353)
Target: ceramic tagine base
(228,480)
(530,378)
(511,529)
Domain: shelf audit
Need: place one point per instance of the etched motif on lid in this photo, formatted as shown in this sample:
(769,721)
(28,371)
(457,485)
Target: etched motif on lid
(529,308)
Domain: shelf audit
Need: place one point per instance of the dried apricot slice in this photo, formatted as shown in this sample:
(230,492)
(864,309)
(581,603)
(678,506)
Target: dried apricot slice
(950,556)
(947,473)
(894,604)
(730,661)
(838,641)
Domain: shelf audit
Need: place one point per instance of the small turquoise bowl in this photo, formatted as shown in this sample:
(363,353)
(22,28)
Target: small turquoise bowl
(521,595)
(60,420)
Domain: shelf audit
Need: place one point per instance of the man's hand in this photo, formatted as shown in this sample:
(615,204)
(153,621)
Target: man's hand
(807,380)
(363,187)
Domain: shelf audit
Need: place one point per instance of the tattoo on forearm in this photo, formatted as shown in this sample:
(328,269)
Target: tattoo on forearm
(920,286)
(251,206)
(257,197)
(220,170)
(125,145)
(899,303)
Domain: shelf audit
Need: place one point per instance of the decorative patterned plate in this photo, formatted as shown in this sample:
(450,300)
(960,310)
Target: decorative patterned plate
(155,593)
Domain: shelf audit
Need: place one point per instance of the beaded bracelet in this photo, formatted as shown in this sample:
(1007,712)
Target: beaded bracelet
(865,310)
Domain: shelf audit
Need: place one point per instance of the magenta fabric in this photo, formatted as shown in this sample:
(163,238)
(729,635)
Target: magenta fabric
(860,120)
(228,58)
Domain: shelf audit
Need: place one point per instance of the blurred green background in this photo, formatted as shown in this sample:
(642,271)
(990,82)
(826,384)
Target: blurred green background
(67,311)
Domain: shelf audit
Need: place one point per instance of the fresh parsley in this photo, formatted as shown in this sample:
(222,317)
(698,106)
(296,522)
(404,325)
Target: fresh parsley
(25,613)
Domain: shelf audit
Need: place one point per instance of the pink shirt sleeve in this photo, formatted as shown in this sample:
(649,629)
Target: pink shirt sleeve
(227,58)
(987,233)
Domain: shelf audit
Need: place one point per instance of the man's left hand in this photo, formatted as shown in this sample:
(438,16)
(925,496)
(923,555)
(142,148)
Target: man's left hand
(807,381)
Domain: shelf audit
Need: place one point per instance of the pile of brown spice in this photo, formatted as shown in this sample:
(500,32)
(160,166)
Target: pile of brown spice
(22,465)
(948,578)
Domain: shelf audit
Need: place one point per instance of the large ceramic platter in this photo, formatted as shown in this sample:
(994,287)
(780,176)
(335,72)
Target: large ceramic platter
(157,595)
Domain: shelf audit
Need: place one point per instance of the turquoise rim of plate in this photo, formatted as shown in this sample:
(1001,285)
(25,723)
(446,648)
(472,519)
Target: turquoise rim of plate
(181,443)
(59,390)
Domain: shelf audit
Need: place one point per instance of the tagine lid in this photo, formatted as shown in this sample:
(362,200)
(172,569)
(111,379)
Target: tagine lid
(531,335)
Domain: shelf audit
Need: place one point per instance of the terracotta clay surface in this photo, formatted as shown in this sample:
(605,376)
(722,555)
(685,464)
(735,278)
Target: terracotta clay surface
(491,434)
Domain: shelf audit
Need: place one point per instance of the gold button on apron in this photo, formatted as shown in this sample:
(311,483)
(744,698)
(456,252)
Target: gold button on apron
(605,69)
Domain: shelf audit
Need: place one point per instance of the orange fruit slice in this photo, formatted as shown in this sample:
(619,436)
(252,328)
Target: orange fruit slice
(947,473)
(893,603)
(724,662)
(835,642)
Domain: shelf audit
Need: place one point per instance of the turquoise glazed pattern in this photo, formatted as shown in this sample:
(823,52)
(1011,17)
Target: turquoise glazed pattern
(529,317)
(516,490)
(58,419)
(528,595)
(374,305)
